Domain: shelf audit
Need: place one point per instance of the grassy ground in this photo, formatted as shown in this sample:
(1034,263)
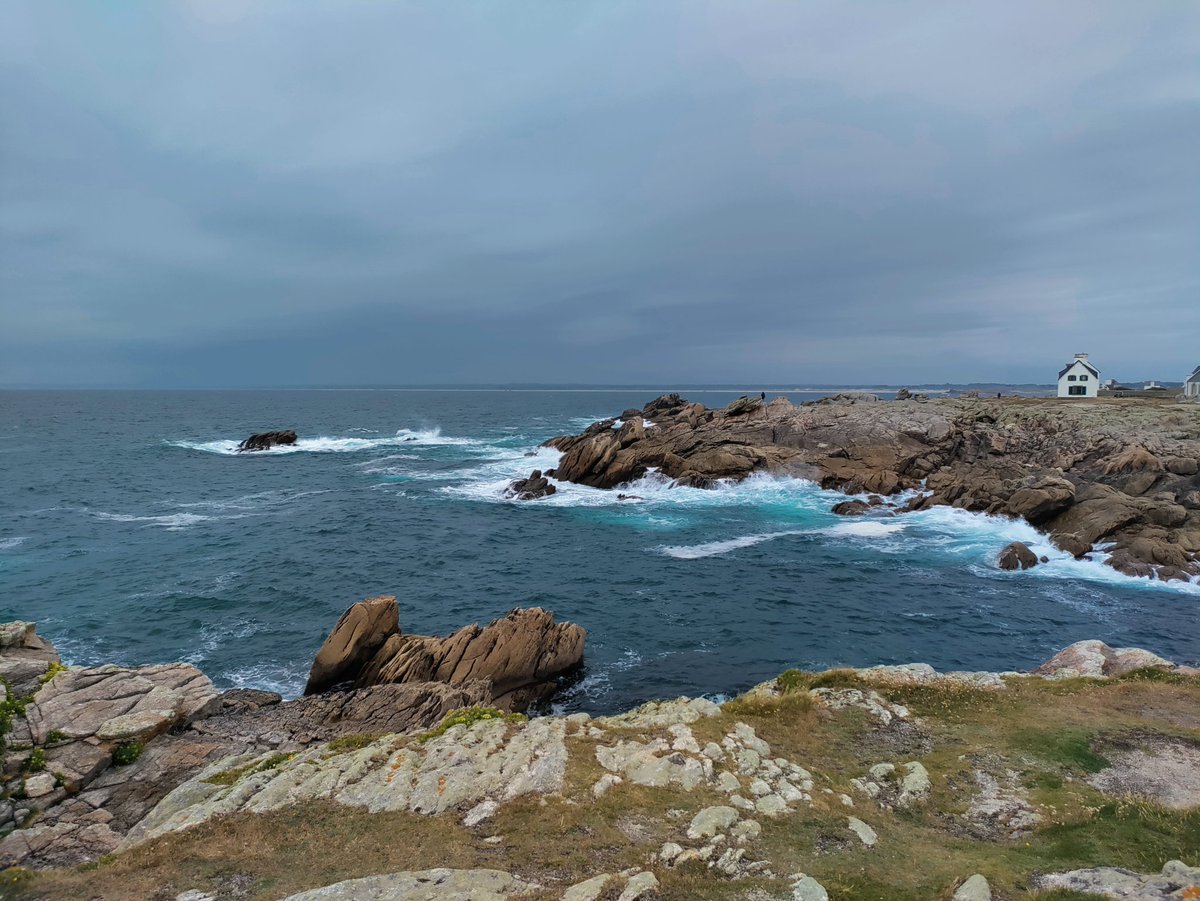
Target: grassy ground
(1051,735)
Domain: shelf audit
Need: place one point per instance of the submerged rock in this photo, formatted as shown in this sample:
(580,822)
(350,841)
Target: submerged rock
(267,440)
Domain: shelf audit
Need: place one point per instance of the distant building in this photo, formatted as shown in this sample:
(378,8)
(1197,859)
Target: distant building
(1191,388)
(1079,378)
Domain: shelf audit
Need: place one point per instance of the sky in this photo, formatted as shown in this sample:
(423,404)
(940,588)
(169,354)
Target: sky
(224,193)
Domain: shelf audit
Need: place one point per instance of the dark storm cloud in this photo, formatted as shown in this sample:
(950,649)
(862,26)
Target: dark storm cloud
(224,192)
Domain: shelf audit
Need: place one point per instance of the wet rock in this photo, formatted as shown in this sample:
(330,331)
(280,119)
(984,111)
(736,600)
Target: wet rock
(851,508)
(267,440)
(357,636)
(1017,556)
(426,885)
(529,489)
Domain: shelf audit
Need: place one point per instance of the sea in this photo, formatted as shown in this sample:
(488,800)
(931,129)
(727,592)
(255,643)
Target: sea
(133,532)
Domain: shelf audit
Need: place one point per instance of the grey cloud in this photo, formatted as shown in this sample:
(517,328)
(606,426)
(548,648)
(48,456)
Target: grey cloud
(596,192)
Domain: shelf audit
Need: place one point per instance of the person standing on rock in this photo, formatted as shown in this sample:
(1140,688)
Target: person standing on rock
(763,397)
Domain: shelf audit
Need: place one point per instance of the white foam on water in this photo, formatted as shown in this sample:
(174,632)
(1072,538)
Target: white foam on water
(283,680)
(324,444)
(257,501)
(978,539)
(865,529)
(7,544)
(717,548)
(172,522)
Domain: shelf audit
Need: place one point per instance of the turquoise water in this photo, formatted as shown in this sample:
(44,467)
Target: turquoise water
(131,531)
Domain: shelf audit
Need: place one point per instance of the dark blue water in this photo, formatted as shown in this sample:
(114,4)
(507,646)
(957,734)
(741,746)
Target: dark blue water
(131,533)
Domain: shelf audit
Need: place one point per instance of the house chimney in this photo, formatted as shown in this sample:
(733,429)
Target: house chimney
(1080,356)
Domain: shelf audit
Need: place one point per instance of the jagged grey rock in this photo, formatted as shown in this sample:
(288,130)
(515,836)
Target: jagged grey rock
(589,889)
(710,821)
(865,833)
(1169,885)
(808,889)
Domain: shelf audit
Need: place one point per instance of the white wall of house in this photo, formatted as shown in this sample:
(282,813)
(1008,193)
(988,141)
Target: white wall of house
(1191,388)
(1079,379)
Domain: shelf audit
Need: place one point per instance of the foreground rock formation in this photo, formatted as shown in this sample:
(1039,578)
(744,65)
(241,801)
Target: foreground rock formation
(1119,473)
(92,751)
(808,786)
(520,657)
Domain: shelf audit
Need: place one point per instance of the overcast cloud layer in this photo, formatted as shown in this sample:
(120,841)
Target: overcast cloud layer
(250,193)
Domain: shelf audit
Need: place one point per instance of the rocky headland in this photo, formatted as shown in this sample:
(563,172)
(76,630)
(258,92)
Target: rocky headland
(406,772)
(1114,475)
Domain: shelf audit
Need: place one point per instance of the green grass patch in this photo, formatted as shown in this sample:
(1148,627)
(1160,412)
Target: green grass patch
(35,762)
(127,752)
(469,716)
(351,742)
(54,670)
(1138,835)
(1070,749)
(229,777)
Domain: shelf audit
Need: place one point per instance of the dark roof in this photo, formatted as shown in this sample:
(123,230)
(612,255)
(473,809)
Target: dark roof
(1195,376)
(1090,368)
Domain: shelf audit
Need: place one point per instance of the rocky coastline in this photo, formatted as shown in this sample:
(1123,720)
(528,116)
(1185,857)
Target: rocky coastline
(1116,477)
(793,790)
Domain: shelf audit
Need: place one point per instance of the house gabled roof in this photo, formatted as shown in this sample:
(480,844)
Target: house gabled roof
(1090,368)
(1195,376)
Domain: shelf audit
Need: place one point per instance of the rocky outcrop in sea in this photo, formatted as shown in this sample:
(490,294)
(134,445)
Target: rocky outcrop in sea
(1114,475)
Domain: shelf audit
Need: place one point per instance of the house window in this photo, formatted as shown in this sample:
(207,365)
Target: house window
(1070,378)
(1083,378)
(1077,390)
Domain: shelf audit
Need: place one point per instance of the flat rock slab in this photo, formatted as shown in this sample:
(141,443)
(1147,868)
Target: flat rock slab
(427,885)
(1165,770)
(460,768)
(117,703)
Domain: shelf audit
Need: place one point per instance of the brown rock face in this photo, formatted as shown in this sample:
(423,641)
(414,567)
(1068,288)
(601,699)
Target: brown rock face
(358,635)
(521,655)
(267,440)
(1017,556)
(851,508)
(1122,473)
(537,485)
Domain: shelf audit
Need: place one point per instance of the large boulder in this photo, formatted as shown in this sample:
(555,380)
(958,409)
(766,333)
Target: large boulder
(267,440)
(24,657)
(522,655)
(356,638)
(1095,659)
(1017,556)
(427,885)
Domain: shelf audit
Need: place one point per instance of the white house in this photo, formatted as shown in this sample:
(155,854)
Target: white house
(1191,388)
(1079,378)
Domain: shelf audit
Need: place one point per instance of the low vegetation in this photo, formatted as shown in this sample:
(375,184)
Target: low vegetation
(1042,740)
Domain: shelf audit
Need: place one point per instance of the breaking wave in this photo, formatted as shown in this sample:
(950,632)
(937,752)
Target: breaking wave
(324,444)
